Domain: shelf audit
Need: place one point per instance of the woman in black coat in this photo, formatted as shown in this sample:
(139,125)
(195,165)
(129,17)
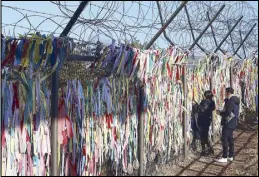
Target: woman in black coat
(194,124)
(206,107)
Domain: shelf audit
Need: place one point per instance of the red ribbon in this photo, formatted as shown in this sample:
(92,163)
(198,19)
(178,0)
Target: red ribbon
(170,73)
(109,120)
(15,97)
(10,58)
(242,74)
(177,74)
(73,169)
(34,122)
(183,71)
(84,150)
(214,91)
(177,58)
(181,58)
(27,137)
(134,61)
(65,139)
(25,48)
(222,92)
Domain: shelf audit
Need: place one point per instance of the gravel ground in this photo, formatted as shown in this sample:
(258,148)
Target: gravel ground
(245,162)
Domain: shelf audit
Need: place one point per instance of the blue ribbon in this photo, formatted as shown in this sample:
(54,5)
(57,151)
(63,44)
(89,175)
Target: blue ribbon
(53,56)
(118,58)
(42,47)
(19,53)
(129,62)
(38,96)
(3,42)
(32,63)
(62,55)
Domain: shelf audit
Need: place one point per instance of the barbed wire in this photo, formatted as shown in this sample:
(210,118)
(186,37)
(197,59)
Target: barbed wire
(128,21)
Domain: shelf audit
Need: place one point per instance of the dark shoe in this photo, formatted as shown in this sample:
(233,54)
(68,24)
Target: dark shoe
(203,153)
(211,152)
(193,146)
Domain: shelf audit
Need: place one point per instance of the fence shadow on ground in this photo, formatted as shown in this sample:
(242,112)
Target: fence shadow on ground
(223,167)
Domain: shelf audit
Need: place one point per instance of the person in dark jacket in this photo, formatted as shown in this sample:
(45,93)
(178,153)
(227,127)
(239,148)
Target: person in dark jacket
(194,124)
(230,115)
(206,107)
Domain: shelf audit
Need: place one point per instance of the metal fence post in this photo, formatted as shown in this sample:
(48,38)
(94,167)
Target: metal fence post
(54,96)
(1,112)
(1,134)
(230,31)
(166,24)
(230,74)
(205,29)
(193,37)
(141,132)
(240,33)
(247,35)
(212,123)
(185,113)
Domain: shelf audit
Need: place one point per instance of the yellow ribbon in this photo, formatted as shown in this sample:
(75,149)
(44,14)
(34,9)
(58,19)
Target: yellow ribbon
(121,61)
(25,59)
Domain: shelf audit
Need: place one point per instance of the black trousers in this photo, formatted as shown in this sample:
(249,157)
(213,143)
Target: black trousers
(195,132)
(227,142)
(204,136)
